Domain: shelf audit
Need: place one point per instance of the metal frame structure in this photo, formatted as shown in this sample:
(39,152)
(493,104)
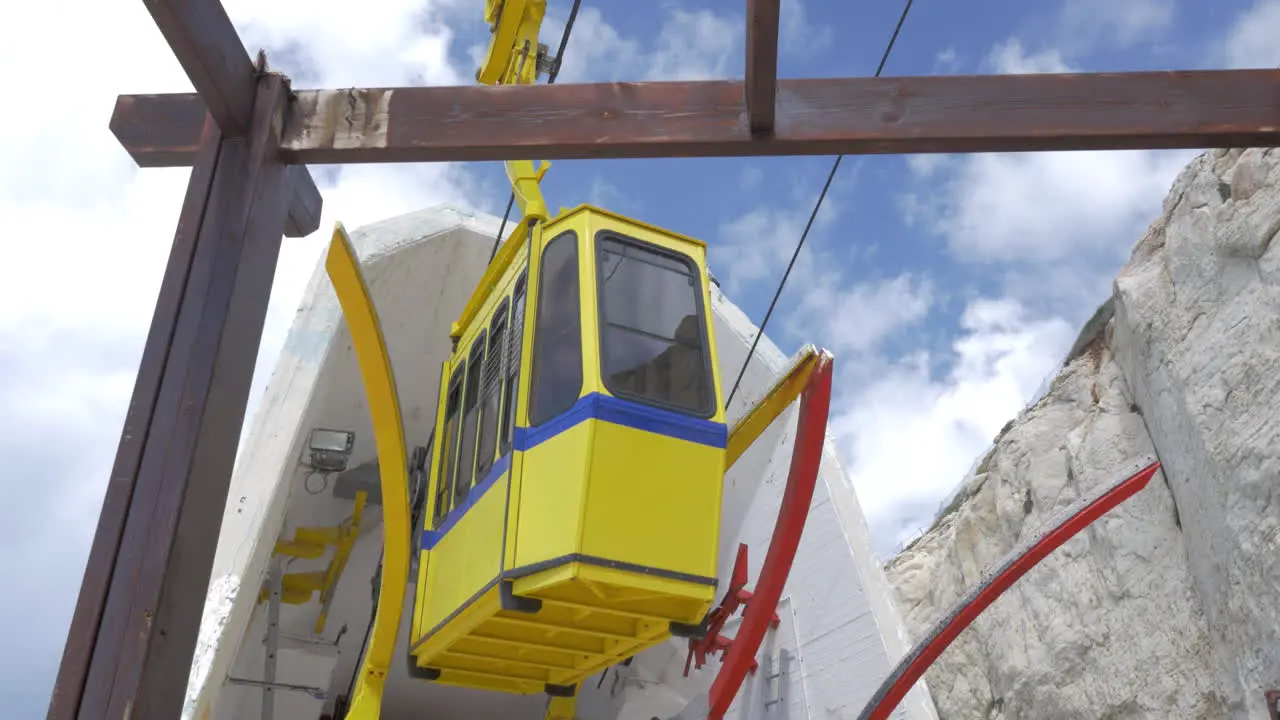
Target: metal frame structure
(247,137)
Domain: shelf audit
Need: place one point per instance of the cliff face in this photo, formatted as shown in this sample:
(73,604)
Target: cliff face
(1169,606)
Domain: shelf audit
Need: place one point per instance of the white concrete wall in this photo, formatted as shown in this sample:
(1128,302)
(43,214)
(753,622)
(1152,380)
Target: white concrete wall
(316,382)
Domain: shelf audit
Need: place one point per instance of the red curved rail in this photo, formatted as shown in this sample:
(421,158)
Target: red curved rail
(923,655)
(806,457)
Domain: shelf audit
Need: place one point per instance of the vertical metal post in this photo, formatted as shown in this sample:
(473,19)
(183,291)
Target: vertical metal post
(134,632)
(83,632)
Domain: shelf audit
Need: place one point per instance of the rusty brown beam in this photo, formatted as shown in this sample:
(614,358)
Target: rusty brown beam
(762,64)
(183,120)
(205,43)
(983,113)
(133,634)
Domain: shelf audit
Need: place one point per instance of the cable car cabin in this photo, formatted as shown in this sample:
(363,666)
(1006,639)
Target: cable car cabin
(573,510)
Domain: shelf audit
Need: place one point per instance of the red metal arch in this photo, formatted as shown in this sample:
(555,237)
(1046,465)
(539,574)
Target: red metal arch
(914,664)
(806,458)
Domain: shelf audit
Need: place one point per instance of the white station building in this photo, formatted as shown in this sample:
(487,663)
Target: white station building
(840,633)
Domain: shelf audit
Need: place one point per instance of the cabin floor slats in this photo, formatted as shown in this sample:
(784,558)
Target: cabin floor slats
(562,643)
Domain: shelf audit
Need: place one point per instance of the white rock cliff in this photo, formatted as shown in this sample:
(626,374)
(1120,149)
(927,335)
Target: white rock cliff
(1168,606)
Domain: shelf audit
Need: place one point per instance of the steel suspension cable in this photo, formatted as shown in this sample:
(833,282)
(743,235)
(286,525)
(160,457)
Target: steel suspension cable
(884,58)
(551,79)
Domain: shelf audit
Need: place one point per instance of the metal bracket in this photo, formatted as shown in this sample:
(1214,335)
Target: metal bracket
(315,692)
(1273,704)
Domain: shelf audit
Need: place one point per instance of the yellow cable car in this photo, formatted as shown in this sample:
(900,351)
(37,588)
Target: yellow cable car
(569,517)
(574,505)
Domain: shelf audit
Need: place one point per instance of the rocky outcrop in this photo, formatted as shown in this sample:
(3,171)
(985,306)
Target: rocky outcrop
(1169,606)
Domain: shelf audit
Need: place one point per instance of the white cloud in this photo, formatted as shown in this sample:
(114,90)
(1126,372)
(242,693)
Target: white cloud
(908,437)
(605,194)
(1049,206)
(857,317)
(1081,211)
(947,62)
(1086,24)
(797,35)
(91,234)
(396,42)
(1251,41)
(1011,58)
(759,244)
(692,45)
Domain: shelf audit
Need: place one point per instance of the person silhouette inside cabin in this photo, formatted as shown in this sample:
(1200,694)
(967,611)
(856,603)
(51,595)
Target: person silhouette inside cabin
(670,372)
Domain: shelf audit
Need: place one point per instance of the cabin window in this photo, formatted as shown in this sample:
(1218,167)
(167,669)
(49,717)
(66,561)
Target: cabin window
(491,393)
(652,334)
(447,450)
(420,473)
(470,414)
(557,340)
(512,380)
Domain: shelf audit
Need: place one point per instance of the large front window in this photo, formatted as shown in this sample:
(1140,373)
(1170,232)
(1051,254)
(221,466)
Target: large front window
(652,327)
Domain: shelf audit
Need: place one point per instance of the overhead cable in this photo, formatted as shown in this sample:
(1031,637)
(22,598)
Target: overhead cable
(817,206)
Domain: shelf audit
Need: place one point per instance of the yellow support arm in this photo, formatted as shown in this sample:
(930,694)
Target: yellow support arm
(489,280)
(784,391)
(388,431)
(310,543)
(512,59)
(340,556)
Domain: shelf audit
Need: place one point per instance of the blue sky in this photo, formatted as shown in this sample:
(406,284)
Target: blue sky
(949,286)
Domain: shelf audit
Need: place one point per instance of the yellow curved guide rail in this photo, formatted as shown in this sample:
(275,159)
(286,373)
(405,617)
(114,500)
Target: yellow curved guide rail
(343,267)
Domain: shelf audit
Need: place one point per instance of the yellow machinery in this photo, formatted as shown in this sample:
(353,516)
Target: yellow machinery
(572,510)
(574,505)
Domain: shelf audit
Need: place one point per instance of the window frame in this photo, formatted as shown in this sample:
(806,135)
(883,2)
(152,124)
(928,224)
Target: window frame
(515,359)
(602,330)
(418,506)
(448,455)
(475,351)
(538,334)
(500,318)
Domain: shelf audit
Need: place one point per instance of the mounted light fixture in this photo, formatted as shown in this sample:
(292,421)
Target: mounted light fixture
(331,449)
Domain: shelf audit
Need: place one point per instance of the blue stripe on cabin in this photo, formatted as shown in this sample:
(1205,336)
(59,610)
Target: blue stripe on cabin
(431,537)
(593,406)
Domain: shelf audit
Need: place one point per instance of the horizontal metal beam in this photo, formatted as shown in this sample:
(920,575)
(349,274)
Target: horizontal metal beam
(164,131)
(977,113)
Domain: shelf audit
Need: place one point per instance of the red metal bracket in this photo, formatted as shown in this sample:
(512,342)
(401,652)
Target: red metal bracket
(737,596)
(806,457)
(1273,704)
